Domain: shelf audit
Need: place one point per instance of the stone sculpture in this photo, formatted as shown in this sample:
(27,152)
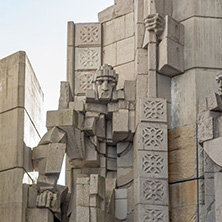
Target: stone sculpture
(219,82)
(210,137)
(97,131)
(103,127)
(129,137)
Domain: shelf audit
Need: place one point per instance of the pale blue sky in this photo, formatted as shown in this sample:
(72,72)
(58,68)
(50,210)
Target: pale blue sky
(39,27)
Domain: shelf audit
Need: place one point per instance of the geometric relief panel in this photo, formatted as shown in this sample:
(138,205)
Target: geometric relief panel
(152,136)
(153,164)
(88,58)
(88,34)
(154,110)
(155,214)
(83,81)
(154,192)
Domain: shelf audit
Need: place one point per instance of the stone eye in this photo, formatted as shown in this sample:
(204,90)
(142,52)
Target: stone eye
(100,82)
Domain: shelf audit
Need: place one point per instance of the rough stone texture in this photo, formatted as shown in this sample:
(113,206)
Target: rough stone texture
(65,95)
(21,127)
(65,117)
(181,195)
(200,43)
(125,51)
(205,127)
(182,153)
(184,214)
(209,189)
(20,86)
(214,102)
(70,53)
(141,64)
(173,30)
(185,99)
(130,90)
(170,63)
(109,54)
(11,139)
(218,202)
(49,158)
(13,199)
(126,71)
(164,87)
(120,125)
(39,215)
(19,120)
(183,10)
(118,29)
(118,9)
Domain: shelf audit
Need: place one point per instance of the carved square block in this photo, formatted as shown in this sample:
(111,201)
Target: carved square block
(150,191)
(173,30)
(205,127)
(152,164)
(83,81)
(171,63)
(88,58)
(214,102)
(151,136)
(153,109)
(88,34)
(120,125)
(149,213)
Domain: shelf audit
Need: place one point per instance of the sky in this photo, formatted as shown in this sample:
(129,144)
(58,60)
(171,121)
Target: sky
(39,27)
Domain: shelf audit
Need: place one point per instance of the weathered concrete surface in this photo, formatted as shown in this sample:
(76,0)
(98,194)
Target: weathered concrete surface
(182,153)
(13,196)
(185,99)
(21,110)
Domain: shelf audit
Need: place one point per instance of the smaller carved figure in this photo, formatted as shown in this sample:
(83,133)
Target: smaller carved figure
(219,82)
(105,83)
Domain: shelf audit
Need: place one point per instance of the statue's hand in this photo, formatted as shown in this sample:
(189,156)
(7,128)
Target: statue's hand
(46,199)
(155,22)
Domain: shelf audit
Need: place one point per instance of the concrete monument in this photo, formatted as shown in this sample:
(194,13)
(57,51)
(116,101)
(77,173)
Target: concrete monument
(139,118)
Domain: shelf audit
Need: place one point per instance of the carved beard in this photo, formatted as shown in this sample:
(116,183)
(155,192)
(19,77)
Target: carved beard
(105,95)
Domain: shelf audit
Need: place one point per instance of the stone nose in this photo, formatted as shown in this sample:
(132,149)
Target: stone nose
(105,86)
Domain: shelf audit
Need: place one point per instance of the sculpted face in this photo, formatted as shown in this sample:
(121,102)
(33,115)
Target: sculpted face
(105,86)
(219,82)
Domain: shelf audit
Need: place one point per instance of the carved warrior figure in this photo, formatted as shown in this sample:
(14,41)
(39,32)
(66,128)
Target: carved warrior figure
(210,138)
(99,131)
(97,134)
(104,83)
